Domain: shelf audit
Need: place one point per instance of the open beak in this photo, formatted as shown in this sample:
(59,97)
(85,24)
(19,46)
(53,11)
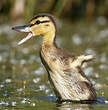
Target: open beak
(25,28)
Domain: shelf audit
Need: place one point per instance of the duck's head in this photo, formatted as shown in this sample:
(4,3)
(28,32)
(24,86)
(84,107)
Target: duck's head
(42,24)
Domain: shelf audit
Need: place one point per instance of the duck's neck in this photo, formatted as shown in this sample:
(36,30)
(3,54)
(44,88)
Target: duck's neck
(49,38)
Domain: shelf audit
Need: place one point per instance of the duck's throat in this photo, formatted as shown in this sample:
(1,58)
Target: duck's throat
(49,38)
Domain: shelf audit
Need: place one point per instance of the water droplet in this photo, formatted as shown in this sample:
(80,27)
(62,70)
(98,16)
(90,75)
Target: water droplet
(13,103)
(36,80)
(88,71)
(33,104)
(24,101)
(90,51)
(8,80)
(76,39)
(96,75)
(4,103)
(39,71)
(103,66)
(106,101)
(22,62)
(42,87)
(1,86)
(20,90)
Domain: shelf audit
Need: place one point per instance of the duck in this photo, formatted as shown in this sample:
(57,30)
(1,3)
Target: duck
(65,70)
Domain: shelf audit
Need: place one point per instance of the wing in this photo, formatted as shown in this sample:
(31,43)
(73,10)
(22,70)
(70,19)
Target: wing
(81,61)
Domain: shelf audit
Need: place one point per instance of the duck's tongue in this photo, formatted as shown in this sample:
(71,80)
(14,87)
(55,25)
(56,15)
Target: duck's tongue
(29,36)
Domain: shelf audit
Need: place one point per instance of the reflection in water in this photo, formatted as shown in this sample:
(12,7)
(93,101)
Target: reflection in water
(75,107)
(83,105)
(100,104)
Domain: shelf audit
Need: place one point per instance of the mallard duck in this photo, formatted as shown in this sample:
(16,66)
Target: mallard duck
(65,71)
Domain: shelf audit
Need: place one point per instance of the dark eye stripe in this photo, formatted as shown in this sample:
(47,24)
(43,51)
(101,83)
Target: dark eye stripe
(38,22)
(44,21)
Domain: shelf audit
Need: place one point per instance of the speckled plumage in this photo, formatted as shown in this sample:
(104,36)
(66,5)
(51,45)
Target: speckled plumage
(67,77)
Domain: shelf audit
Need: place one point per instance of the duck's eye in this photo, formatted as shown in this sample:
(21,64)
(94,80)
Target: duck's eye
(37,22)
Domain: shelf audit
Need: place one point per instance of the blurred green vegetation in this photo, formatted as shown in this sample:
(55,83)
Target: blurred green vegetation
(75,9)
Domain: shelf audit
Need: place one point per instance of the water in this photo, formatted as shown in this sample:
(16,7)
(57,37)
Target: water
(23,79)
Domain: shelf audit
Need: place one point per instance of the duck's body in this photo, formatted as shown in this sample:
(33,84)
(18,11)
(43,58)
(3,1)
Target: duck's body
(64,70)
(68,79)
